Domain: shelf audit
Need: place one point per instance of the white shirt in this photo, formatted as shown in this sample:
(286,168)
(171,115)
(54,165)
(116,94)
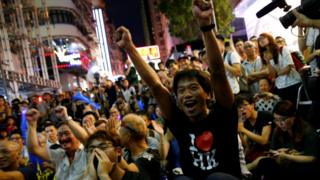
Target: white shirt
(66,171)
(128,93)
(253,67)
(232,58)
(284,81)
(312,35)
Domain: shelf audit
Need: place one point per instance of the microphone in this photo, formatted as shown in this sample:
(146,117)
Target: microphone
(268,8)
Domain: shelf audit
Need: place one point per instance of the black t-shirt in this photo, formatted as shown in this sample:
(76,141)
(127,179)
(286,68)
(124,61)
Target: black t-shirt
(209,145)
(264,118)
(28,174)
(148,164)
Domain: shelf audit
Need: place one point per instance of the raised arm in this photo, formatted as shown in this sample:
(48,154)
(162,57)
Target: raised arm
(203,12)
(159,91)
(32,117)
(80,133)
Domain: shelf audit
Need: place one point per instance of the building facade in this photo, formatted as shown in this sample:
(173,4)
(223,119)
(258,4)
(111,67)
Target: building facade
(48,45)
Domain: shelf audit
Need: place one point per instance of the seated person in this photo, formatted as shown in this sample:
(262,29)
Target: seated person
(9,163)
(295,147)
(107,150)
(254,128)
(265,100)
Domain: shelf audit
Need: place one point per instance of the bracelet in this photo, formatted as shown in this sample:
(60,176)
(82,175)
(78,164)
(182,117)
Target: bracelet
(68,119)
(208,27)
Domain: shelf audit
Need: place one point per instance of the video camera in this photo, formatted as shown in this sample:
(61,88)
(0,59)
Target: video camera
(310,8)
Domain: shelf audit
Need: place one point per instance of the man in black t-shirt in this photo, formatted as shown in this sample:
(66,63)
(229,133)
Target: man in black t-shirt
(207,136)
(255,127)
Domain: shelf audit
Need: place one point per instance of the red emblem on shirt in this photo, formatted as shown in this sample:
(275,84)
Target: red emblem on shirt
(204,141)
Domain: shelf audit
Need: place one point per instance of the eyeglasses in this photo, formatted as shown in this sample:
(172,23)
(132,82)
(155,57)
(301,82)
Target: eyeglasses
(248,46)
(278,119)
(243,106)
(102,146)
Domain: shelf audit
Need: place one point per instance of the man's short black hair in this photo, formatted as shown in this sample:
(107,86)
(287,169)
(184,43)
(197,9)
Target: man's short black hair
(61,123)
(159,63)
(202,78)
(48,123)
(193,58)
(92,113)
(244,97)
(169,62)
(104,136)
(16,131)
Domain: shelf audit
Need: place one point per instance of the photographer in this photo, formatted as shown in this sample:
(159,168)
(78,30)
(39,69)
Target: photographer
(309,43)
(304,21)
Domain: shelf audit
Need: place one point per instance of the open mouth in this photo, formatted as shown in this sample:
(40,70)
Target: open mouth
(65,143)
(190,104)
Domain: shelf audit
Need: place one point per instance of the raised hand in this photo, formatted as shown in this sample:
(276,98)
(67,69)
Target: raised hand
(32,117)
(202,11)
(301,20)
(157,127)
(61,112)
(104,162)
(112,126)
(123,37)
(88,124)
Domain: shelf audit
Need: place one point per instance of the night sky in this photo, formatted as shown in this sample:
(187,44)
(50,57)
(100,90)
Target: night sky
(127,13)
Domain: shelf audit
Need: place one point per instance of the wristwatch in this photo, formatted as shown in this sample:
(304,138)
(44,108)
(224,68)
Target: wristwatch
(69,118)
(207,27)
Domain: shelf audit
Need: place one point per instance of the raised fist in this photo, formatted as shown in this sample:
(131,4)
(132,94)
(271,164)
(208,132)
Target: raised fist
(61,112)
(123,37)
(32,117)
(202,11)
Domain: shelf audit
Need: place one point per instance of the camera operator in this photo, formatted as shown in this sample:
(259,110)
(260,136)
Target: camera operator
(304,21)
(310,44)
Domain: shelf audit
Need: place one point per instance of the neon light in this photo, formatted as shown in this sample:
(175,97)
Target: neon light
(103,43)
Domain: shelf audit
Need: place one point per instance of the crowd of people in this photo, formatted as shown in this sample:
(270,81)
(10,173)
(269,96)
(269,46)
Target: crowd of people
(230,112)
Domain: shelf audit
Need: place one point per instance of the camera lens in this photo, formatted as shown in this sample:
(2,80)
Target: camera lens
(288,19)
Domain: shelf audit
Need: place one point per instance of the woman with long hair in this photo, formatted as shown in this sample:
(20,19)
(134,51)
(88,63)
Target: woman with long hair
(281,65)
(294,144)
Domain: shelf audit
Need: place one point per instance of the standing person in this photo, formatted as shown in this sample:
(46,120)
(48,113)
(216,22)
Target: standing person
(253,67)
(287,79)
(239,45)
(207,137)
(232,64)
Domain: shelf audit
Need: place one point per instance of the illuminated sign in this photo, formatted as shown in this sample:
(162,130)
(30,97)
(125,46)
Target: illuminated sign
(149,52)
